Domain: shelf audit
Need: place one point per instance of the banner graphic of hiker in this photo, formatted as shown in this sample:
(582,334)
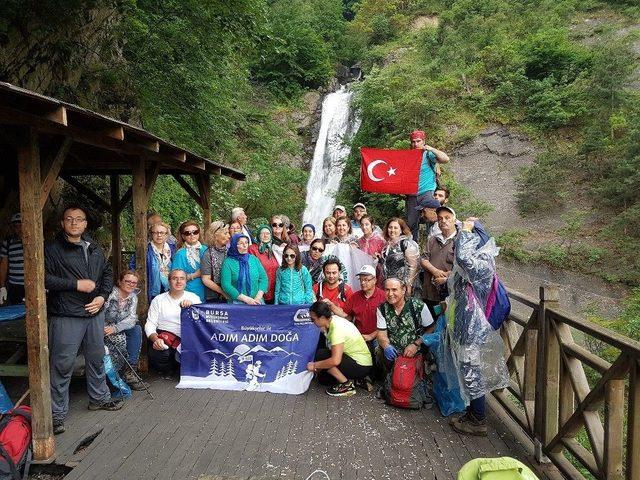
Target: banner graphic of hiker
(241,347)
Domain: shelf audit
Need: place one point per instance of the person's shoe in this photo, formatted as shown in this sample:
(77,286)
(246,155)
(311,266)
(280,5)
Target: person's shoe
(133,381)
(469,424)
(365,383)
(110,405)
(58,427)
(379,395)
(345,389)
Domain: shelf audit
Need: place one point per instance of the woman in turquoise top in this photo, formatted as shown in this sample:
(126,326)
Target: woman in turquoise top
(188,257)
(293,280)
(242,277)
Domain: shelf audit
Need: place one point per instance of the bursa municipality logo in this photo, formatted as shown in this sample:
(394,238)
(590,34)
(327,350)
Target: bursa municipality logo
(302,316)
(210,316)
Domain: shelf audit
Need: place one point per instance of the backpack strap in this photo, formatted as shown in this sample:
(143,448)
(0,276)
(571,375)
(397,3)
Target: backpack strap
(414,316)
(341,295)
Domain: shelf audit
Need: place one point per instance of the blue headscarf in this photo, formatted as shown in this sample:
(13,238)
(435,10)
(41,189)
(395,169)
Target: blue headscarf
(244,279)
(311,226)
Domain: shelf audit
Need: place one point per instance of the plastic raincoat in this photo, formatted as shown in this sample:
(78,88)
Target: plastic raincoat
(401,260)
(477,349)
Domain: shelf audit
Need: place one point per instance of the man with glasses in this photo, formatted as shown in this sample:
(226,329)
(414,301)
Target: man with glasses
(79,280)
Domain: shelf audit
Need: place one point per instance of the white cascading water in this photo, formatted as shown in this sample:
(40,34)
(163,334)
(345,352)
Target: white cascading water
(338,125)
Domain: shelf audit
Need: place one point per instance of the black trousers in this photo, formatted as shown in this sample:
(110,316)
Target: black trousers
(162,361)
(15,293)
(348,366)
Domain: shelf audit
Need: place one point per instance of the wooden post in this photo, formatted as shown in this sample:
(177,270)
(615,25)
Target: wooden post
(548,375)
(30,184)
(613,429)
(206,201)
(140,205)
(116,247)
(633,422)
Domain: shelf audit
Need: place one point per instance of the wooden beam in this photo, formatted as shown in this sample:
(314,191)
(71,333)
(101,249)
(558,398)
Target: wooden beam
(126,198)
(54,170)
(203,183)
(614,430)
(58,115)
(187,188)
(633,423)
(35,298)
(116,132)
(140,207)
(116,247)
(80,187)
(152,177)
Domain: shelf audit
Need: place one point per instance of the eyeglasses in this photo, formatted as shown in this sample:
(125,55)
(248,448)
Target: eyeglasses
(131,283)
(275,225)
(162,234)
(317,249)
(289,255)
(191,232)
(75,219)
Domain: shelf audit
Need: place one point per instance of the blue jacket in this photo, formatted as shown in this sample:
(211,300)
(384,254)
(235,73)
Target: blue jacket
(154,285)
(293,287)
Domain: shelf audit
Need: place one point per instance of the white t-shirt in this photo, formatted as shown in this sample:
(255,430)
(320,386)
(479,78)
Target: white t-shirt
(164,313)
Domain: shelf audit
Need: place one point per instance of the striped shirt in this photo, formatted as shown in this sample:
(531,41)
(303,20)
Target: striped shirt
(12,248)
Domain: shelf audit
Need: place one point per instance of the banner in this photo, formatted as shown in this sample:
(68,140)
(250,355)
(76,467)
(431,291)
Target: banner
(390,171)
(241,347)
(352,259)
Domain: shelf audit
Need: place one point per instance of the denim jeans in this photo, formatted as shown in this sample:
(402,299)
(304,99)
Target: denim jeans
(134,343)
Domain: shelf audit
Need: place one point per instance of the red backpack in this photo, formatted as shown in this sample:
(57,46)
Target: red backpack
(15,444)
(405,387)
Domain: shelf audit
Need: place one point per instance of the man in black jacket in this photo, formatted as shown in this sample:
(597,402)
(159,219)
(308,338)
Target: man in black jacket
(79,280)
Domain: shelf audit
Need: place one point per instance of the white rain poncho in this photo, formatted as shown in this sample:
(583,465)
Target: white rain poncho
(477,349)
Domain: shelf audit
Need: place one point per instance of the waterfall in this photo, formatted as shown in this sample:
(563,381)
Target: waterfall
(338,124)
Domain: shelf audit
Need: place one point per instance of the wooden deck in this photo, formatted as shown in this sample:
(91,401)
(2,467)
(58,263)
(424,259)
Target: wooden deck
(216,435)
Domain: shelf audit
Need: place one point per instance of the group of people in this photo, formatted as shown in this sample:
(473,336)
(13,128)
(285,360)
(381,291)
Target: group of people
(415,264)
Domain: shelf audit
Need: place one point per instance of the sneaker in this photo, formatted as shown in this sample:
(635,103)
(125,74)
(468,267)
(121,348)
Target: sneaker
(469,424)
(58,427)
(110,405)
(345,389)
(134,381)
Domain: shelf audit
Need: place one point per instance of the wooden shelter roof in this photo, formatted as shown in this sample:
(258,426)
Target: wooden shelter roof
(111,145)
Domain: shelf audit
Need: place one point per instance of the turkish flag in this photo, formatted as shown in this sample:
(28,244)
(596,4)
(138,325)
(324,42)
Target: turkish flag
(390,171)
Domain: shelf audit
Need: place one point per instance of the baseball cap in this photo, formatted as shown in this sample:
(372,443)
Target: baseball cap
(367,270)
(361,205)
(339,207)
(428,203)
(16,217)
(448,209)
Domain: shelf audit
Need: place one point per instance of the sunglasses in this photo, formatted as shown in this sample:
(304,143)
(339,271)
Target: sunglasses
(277,225)
(317,249)
(289,255)
(191,232)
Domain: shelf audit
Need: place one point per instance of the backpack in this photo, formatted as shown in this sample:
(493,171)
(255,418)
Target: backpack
(15,444)
(498,304)
(405,386)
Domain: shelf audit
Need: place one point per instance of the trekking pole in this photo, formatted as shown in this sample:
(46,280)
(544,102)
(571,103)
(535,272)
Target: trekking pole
(144,384)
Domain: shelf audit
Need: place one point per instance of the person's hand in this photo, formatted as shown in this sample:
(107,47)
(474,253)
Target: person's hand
(159,344)
(410,350)
(311,366)
(328,302)
(3,294)
(439,273)
(439,280)
(109,330)
(248,300)
(95,305)
(86,286)
(186,303)
(390,353)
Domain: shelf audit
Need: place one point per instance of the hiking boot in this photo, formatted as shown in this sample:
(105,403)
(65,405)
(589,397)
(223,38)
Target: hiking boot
(134,381)
(110,405)
(469,424)
(345,389)
(454,417)
(58,427)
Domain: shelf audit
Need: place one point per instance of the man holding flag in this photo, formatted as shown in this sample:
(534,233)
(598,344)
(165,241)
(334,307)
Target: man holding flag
(410,172)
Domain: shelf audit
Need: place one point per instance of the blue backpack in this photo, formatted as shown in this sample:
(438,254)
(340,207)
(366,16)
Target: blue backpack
(498,304)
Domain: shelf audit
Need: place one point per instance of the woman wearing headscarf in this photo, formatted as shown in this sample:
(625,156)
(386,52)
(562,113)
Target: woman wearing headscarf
(218,238)
(313,260)
(401,256)
(243,278)
(189,256)
(308,234)
(263,251)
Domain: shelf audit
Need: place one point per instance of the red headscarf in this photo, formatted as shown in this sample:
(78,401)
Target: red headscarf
(417,134)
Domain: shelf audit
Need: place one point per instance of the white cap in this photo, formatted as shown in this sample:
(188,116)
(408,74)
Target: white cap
(367,270)
(361,205)
(339,207)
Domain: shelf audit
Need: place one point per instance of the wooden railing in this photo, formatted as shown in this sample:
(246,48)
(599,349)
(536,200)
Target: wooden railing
(581,411)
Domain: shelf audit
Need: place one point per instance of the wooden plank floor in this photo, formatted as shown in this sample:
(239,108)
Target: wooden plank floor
(217,435)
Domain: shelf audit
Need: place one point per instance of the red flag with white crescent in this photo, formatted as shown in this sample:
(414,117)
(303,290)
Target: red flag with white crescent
(390,171)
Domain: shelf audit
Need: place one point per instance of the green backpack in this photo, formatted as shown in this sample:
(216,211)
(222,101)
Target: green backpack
(503,468)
